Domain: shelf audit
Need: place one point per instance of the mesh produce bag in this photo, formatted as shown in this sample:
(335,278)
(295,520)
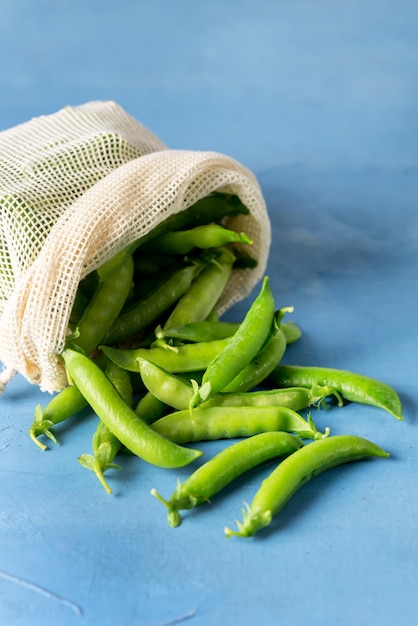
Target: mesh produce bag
(78,186)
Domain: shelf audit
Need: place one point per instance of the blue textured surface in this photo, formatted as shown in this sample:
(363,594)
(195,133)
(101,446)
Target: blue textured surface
(319,99)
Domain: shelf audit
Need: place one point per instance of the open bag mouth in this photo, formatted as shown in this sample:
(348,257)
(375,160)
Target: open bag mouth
(79,186)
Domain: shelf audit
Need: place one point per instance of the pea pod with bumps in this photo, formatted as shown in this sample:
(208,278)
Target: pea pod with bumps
(230,422)
(166,387)
(296,470)
(242,348)
(295,398)
(214,475)
(348,385)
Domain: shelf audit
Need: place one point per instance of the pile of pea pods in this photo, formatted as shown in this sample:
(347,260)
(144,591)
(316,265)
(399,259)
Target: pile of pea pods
(150,357)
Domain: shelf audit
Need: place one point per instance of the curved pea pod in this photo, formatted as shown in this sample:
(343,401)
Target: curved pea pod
(296,470)
(120,418)
(291,331)
(63,405)
(226,466)
(243,346)
(168,388)
(257,370)
(350,386)
(209,423)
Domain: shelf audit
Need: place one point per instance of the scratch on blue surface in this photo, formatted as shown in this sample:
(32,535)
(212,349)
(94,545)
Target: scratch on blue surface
(177,620)
(42,591)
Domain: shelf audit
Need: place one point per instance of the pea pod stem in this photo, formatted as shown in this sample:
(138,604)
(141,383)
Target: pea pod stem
(105,447)
(350,386)
(226,466)
(296,470)
(65,404)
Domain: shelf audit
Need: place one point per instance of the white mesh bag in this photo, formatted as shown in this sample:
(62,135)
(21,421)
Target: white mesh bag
(78,186)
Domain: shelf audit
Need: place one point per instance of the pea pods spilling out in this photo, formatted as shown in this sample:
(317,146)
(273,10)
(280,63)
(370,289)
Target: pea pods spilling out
(148,354)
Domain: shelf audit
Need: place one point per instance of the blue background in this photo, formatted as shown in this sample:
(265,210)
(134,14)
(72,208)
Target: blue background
(319,99)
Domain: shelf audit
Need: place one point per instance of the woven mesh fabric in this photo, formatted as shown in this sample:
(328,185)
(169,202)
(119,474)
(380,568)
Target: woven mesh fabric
(78,186)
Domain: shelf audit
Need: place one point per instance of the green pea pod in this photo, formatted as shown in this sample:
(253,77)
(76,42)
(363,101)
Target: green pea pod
(150,409)
(351,386)
(296,470)
(197,332)
(62,406)
(203,237)
(209,423)
(186,358)
(257,370)
(244,345)
(168,388)
(105,305)
(203,294)
(291,331)
(211,330)
(295,398)
(214,475)
(212,208)
(149,309)
(120,418)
